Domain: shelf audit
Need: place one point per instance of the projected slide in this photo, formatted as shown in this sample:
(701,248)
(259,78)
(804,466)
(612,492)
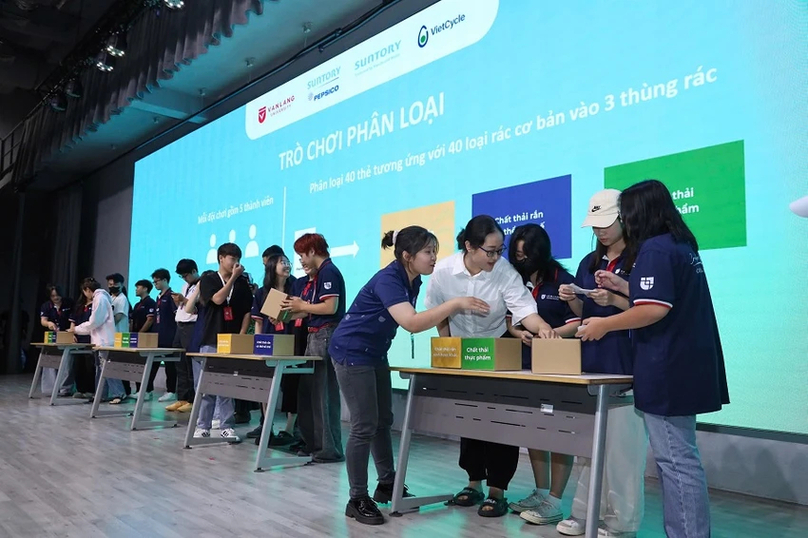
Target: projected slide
(522,110)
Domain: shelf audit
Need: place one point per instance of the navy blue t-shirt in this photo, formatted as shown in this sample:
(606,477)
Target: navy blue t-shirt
(550,307)
(142,311)
(165,322)
(679,362)
(79,315)
(611,354)
(366,332)
(327,283)
(59,315)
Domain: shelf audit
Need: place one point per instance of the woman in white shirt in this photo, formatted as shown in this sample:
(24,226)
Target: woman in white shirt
(101,328)
(479,270)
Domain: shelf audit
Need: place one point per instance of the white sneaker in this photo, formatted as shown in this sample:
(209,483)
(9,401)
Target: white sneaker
(167,397)
(606,532)
(215,424)
(147,397)
(572,526)
(544,514)
(201,433)
(230,435)
(531,502)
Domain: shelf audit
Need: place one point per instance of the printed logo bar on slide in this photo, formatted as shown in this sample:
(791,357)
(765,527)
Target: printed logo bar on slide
(430,35)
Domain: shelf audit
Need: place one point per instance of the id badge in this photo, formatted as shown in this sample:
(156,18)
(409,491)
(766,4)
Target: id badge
(299,322)
(279,327)
(228,313)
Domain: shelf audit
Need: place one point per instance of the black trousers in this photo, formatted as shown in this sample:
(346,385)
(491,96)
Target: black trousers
(84,373)
(171,377)
(185,369)
(483,460)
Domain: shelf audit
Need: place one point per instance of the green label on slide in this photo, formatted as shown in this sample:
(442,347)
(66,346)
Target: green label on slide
(707,185)
(478,354)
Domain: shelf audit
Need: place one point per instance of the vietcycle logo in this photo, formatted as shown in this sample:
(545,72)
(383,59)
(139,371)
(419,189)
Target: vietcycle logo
(423,36)
(322,94)
(449,24)
(275,109)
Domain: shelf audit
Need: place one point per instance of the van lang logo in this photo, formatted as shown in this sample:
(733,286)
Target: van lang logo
(378,57)
(449,24)
(275,108)
(322,94)
(324,78)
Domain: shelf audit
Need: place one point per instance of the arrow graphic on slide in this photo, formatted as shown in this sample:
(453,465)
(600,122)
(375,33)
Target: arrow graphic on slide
(348,250)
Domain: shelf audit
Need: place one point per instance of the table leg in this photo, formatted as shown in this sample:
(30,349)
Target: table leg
(189,433)
(61,375)
(99,390)
(262,461)
(399,503)
(596,472)
(37,375)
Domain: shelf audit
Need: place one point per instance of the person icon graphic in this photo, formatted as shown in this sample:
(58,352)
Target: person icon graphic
(252,246)
(212,258)
(232,236)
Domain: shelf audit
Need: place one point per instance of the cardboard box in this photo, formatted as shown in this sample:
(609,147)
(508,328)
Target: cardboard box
(135,340)
(446,352)
(272,306)
(235,344)
(58,337)
(556,356)
(281,345)
(501,354)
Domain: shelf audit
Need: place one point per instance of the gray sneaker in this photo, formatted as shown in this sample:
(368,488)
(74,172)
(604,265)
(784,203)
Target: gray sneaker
(544,514)
(606,532)
(531,502)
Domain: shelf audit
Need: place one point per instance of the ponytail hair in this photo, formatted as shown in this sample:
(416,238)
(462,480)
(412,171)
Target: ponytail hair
(476,230)
(411,240)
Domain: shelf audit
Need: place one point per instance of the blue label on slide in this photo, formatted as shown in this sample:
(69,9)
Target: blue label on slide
(547,203)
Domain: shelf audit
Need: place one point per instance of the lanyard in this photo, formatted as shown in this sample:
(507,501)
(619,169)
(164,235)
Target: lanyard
(229,295)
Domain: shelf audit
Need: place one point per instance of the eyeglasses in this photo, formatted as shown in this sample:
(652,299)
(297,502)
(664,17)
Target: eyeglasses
(493,253)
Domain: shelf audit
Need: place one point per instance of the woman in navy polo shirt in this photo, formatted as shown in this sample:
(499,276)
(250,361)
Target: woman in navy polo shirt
(678,359)
(359,351)
(54,315)
(530,252)
(322,302)
(277,275)
(623,503)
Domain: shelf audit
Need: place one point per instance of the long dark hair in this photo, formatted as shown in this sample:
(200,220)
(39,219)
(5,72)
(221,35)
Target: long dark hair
(648,210)
(271,274)
(411,240)
(538,251)
(477,230)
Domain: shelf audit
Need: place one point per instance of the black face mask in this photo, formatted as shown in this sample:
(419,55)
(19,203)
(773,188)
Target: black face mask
(114,290)
(520,266)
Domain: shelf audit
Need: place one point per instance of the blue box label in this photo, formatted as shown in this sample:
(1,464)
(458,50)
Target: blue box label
(264,344)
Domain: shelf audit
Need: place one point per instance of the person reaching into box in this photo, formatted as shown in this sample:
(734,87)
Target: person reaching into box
(479,270)
(359,352)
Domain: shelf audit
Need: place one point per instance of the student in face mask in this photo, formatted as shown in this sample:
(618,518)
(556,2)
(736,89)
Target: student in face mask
(530,253)
(120,302)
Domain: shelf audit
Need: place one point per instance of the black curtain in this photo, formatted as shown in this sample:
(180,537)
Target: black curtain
(159,44)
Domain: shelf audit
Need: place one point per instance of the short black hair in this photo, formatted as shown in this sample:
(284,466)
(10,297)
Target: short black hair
(186,267)
(229,249)
(116,277)
(50,288)
(274,250)
(145,283)
(162,274)
(477,230)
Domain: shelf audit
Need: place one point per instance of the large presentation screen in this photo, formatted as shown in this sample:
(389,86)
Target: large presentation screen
(523,110)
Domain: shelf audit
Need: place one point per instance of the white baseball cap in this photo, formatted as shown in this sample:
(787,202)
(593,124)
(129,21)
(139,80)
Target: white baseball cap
(603,209)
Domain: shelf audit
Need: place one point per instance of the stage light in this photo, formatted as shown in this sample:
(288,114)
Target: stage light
(104,62)
(73,88)
(58,102)
(174,4)
(116,44)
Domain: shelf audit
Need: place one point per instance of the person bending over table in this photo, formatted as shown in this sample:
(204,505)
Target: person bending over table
(359,352)
(479,270)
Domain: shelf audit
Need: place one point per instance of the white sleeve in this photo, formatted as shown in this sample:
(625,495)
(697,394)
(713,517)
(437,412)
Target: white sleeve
(517,297)
(97,318)
(434,291)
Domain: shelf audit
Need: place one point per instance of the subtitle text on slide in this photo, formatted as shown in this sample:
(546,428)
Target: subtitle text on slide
(233,210)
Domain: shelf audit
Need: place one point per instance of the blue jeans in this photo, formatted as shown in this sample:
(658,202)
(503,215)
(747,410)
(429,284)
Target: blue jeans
(685,502)
(226,407)
(113,388)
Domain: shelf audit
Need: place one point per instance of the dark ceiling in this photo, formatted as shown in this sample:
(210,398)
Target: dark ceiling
(35,35)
